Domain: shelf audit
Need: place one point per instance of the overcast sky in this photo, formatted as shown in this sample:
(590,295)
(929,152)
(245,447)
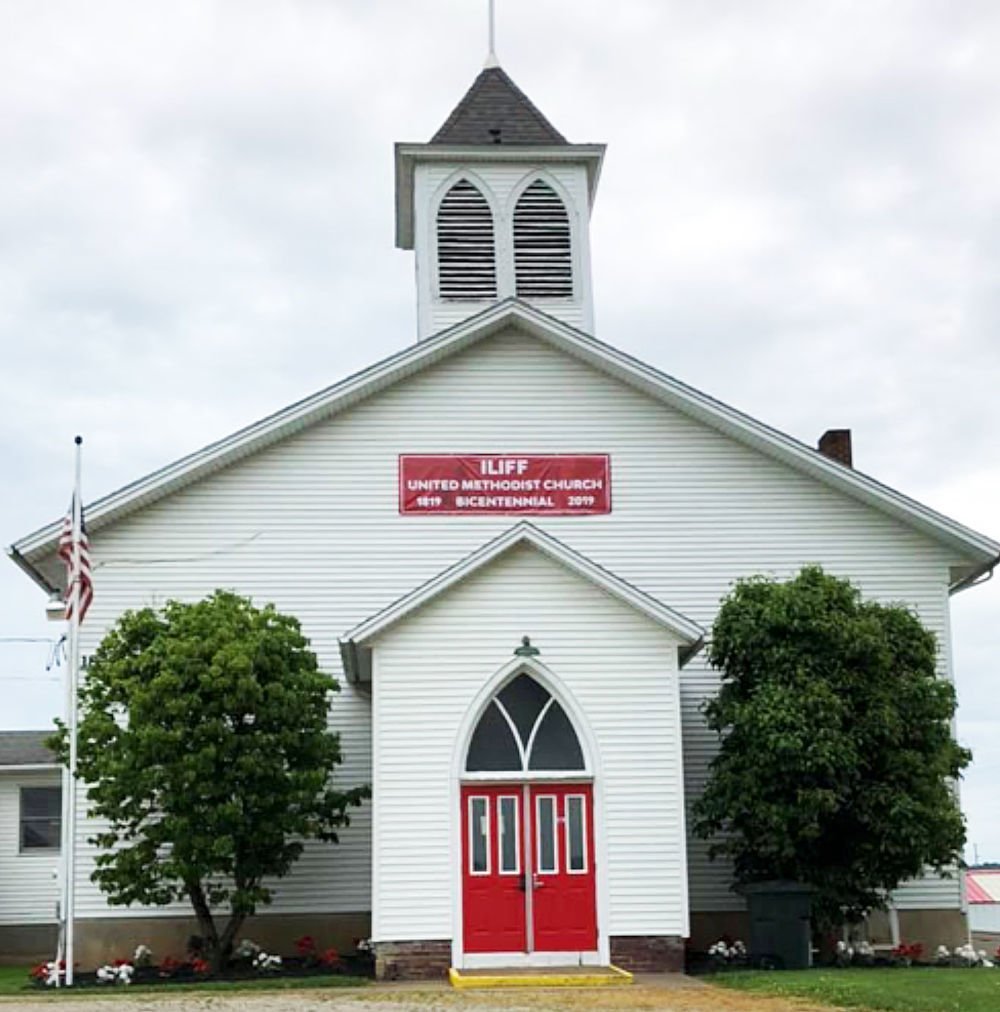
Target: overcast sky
(798,215)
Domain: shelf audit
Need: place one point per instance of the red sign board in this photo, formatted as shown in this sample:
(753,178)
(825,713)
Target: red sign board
(549,484)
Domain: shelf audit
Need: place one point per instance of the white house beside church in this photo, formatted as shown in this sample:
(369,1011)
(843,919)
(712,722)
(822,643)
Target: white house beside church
(509,540)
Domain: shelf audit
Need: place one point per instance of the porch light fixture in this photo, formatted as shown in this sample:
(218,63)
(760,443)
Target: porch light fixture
(55,608)
(526,649)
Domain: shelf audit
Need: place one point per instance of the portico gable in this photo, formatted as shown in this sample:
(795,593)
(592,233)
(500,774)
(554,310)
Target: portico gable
(600,662)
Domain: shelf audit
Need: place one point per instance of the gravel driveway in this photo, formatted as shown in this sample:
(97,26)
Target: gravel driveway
(669,996)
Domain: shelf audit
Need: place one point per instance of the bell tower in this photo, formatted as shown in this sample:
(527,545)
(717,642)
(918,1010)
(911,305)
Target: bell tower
(497,206)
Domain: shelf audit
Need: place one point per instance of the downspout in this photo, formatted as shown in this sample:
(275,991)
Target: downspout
(976,579)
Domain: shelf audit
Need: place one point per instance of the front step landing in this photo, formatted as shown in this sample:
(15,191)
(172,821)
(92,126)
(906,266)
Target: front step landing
(548,976)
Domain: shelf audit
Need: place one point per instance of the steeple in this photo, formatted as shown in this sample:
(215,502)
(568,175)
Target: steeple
(496,206)
(496,111)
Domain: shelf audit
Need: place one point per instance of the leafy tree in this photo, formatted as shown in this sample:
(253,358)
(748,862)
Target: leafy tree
(836,762)
(203,742)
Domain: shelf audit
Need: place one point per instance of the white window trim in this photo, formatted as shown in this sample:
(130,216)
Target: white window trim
(501,833)
(570,870)
(472,828)
(539,869)
(23,851)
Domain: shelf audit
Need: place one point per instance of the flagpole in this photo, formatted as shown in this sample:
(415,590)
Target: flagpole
(69,908)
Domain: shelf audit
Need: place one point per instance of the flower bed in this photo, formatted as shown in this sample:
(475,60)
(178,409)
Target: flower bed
(249,962)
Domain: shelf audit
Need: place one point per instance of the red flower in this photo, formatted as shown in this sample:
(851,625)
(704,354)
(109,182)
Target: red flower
(120,962)
(40,972)
(908,950)
(170,966)
(199,965)
(330,957)
(306,945)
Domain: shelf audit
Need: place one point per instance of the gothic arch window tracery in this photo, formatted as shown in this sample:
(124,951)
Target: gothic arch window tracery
(524,729)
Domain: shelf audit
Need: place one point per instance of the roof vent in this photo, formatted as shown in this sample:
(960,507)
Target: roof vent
(543,261)
(466,252)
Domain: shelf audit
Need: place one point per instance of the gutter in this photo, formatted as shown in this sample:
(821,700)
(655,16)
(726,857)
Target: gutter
(35,574)
(984,575)
(30,768)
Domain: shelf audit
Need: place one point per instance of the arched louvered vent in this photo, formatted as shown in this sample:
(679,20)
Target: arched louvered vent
(543,261)
(465,247)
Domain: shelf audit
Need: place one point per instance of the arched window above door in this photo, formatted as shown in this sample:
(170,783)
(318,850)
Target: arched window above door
(524,729)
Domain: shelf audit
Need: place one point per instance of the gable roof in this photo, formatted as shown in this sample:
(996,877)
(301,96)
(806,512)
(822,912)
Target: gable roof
(495,111)
(978,553)
(982,885)
(25,749)
(523,533)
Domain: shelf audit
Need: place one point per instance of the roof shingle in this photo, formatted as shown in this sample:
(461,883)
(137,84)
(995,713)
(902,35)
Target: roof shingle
(495,111)
(25,748)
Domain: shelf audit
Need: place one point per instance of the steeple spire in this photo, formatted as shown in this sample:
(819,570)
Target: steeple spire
(491,56)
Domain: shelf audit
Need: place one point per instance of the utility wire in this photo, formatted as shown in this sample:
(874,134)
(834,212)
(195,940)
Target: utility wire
(170,560)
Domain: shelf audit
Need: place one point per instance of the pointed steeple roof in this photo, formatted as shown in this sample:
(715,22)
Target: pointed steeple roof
(495,111)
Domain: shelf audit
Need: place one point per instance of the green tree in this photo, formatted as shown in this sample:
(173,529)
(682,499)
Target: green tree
(203,742)
(837,761)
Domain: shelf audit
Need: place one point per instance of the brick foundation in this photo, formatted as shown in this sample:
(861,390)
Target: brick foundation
(648,953)
(427,960)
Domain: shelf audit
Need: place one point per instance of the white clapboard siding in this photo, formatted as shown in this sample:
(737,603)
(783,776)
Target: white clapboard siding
(500,185)
(621,669)
(28,885)
(312,524)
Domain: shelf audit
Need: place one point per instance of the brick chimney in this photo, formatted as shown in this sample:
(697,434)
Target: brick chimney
(836,444)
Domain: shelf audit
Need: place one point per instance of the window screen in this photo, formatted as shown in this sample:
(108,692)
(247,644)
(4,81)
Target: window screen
(41,818)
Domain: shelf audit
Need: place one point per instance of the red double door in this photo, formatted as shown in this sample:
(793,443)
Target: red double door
(528,868)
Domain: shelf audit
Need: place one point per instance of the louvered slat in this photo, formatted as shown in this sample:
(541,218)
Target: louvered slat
(465,246)
(543,261)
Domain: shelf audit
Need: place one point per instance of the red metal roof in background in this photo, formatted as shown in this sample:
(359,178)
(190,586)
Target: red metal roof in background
(982,885)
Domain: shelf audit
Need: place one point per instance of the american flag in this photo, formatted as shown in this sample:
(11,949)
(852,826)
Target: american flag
(66,554)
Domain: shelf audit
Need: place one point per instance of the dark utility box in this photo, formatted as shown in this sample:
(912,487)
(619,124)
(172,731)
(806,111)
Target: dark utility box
(780,930)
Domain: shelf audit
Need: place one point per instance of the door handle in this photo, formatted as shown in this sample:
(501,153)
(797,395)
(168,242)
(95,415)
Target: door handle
(536,882)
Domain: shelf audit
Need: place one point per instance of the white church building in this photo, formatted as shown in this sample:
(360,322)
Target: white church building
(509,541)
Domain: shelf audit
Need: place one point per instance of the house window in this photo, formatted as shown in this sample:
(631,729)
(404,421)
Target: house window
(543,257)
(466,251)
(524,728)
(41,818)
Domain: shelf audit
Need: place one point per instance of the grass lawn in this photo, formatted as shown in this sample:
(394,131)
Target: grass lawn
(14,980)
(918,989)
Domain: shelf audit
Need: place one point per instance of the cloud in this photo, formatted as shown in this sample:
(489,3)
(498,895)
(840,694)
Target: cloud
(798,215)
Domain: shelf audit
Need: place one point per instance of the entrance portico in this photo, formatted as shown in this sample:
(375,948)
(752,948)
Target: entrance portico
(528,797)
